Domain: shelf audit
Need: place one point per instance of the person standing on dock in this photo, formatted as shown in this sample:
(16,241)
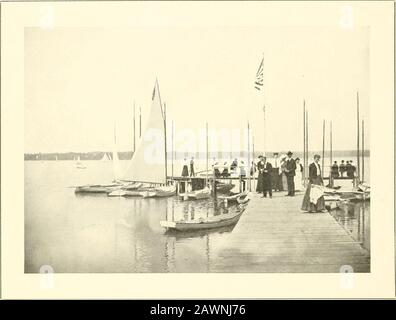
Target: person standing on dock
(234,166)
(192,172)
(185,168)
(299,171)
(313,199)
(290,171)
(342,168)
(242,176)
(282,175)
(334,170)
(350,169)
(225,172)
(276,174)
(264,183)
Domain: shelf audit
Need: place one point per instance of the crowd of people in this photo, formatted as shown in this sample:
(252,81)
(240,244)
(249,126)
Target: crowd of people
(344,169)
(282,173)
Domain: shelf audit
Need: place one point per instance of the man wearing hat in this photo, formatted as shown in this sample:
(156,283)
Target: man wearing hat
(290,173)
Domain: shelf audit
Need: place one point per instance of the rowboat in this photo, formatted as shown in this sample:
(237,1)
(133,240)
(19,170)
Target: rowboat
(243,199)
(199,224)
(197,233)
(238,198)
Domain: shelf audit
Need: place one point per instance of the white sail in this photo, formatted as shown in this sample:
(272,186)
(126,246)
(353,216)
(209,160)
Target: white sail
(106,157)
(148,161)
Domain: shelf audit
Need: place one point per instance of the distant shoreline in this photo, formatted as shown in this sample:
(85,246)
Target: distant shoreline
(126,155)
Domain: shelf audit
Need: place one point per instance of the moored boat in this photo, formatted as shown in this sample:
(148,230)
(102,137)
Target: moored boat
(198,194)
(224,187)
(208,223)
(236,198)
(163,191)
(97,188)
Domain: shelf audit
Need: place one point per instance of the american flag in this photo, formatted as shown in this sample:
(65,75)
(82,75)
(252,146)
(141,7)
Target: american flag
(259,82)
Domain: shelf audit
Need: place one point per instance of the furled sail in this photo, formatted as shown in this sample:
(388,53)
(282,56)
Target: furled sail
(148,161)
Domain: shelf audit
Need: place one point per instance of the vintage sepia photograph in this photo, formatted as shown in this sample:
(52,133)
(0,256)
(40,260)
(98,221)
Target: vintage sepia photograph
(207,149)
(197,150)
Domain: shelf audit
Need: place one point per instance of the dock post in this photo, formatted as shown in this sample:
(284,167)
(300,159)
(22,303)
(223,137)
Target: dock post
(214,185)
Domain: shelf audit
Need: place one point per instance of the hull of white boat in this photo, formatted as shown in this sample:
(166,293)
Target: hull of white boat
(125,193)
(199,194)
(96,189)
(210,223)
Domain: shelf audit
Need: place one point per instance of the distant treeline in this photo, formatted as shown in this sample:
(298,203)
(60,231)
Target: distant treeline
(126,155)
(95,155)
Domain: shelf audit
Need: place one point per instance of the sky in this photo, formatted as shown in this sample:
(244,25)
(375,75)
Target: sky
(80,81)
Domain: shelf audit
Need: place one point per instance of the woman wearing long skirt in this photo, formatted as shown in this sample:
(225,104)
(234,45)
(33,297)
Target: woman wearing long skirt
(313,202)
(185,168)
(298,178)
(283,174)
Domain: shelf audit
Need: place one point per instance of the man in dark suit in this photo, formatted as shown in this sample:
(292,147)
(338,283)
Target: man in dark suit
(290,173)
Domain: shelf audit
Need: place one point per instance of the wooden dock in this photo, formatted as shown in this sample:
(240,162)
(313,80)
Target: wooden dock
(274,235)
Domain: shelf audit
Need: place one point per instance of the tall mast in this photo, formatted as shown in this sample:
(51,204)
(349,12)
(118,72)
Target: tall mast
(207,153)
(254,180)
(166,154)
(173,149)
(331,143)
(357,137)
(362,150)
(264,147)
(134,128)
(304,147)
(249,181)
(307,143)
(323,146)
(140,122)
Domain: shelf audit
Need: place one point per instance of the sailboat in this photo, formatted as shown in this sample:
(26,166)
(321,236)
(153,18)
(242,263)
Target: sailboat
(79,164)
(106,157)
(148,164)
(105,188)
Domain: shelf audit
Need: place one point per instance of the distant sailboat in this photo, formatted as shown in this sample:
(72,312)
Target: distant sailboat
(106,157)
(79,164)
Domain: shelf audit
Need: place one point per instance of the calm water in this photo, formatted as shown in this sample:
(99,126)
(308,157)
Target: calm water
(75,233)
(355,218)
(96,234)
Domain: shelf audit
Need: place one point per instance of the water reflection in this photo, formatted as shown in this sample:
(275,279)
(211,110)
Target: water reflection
(355,218)
(101,234)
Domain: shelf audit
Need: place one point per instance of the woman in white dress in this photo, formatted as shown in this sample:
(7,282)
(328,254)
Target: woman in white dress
(298,178)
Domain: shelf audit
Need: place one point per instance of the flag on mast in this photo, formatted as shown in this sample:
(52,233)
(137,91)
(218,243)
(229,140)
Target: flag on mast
(259,82)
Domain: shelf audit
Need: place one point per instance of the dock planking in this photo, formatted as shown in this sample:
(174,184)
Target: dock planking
(274,235)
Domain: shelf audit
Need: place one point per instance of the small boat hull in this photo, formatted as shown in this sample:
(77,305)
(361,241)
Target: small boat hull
(125,193)
(210,223)
(96,188)
(239,198)
(199,194)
